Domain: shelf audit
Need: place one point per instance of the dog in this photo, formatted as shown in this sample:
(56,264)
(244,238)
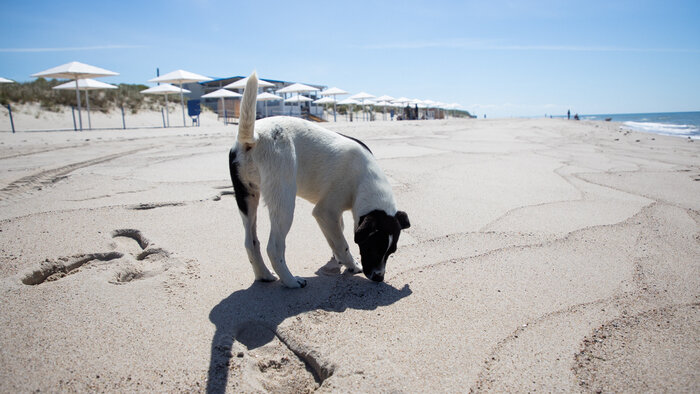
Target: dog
(282,157)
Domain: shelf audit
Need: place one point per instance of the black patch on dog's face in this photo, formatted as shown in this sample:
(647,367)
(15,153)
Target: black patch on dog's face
(377,235)
(240,190)
(358,141)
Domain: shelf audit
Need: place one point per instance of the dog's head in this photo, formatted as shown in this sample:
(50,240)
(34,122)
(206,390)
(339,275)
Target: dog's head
(377,235)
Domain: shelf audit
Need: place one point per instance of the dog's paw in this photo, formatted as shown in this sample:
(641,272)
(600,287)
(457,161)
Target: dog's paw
(353,268)
(296,283)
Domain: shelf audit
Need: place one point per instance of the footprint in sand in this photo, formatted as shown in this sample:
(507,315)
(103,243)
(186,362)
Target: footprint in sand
(133,257)
(256,359)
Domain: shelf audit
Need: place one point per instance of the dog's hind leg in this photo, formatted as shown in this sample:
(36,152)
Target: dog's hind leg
(331,223)
(281,216)
(247,199)
(252,244)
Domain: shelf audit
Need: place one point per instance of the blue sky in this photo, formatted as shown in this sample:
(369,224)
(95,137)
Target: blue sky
(502,58)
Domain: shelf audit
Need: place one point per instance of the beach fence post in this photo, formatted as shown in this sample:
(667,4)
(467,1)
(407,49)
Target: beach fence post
(75,126)
(12,122)
(162,113)
(123,121)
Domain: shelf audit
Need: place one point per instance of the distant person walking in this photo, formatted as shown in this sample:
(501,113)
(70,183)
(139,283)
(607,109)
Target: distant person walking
(568,114)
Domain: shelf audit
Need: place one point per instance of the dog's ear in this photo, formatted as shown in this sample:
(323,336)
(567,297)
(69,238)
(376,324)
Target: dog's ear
(402,217)
(365,229)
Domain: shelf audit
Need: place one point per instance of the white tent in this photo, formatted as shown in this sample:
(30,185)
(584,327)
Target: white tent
(5,80)
(165,89)
(179,77)
(222,94)
(86,84)
(75,71)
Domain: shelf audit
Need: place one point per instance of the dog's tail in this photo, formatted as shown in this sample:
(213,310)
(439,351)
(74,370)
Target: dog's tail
(246,122)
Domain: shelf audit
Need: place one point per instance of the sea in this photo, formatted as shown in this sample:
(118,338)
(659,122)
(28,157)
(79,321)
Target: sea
(677,124)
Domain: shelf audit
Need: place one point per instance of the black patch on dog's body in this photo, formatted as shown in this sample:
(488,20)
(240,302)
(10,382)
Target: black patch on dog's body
(358,141)
(240,190)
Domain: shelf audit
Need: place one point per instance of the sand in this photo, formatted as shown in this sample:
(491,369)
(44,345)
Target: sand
(544,255)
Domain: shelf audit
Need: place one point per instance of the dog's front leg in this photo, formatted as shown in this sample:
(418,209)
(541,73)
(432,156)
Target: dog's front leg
(331,222)
(281,216)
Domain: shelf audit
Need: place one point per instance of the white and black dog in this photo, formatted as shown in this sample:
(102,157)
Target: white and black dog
(282,157)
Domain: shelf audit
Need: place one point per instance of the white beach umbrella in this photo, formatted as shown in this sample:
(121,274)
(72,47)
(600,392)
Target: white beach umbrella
(179,77)
(240,84)
(348,101)
(222,94)
(86,84)
(5,80)
(402,100)
(297,99)
(165,89)
(362,96)
(297,88)
(385,98)
(334,92)
(325,100)
(265,97)
(75,71)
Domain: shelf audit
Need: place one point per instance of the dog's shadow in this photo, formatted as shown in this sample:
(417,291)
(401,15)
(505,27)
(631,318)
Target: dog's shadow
(251,316)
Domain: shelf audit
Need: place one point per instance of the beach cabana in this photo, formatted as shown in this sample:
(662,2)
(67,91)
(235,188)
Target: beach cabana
(179,77)
(75,71)
(86,85)
(165,89)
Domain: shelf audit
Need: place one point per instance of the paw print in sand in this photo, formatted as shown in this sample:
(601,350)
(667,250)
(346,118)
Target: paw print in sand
(134,257)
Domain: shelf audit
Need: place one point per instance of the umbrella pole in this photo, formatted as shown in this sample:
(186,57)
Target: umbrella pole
(167,113)
(182,104)
(87,100)
(77,95)
(334,116)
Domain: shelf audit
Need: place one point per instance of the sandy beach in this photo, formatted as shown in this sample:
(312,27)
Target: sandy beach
(544,255)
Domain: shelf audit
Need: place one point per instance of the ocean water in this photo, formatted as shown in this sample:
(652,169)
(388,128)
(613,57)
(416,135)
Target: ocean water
(679,124)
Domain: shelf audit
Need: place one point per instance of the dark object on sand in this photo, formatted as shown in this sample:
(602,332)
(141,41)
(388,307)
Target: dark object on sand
(608,119)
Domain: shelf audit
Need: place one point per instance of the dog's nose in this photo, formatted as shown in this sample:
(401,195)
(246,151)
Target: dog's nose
(377,277)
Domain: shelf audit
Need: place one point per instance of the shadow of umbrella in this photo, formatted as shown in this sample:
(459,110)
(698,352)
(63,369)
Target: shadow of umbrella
(251,316)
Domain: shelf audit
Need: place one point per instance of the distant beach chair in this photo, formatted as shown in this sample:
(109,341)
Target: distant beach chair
(193,110)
